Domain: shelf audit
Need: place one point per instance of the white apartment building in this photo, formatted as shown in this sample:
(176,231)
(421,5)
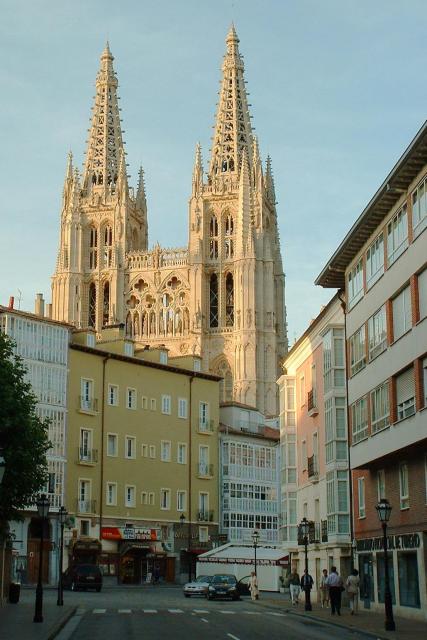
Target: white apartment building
(249,476)
(43,346)
(382,266)
(314,448)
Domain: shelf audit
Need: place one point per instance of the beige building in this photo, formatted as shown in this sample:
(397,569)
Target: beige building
(142,476)
(222,296)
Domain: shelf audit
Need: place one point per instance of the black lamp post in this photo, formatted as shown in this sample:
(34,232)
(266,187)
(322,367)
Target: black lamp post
(62,515)
(255,540)
(43,510)
(384,511)
(305,530)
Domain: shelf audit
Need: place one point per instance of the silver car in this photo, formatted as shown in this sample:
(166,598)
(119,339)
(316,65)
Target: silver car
(198,587)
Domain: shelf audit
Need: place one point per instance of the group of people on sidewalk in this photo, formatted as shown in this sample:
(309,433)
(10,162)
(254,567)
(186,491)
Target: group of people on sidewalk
(331,588)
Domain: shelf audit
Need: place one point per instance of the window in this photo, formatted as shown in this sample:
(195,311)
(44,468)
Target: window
(229,300)
(361,494)
(165,451)
(92,305)
(163,357)
(111,444)
(181,500)
(144,450)
(130,447)
(131,398)
(130,495)
(404,486)
(84,496)
(203,503)
(93,248)
(144,402)
(405,394)
(380,407)
(111,493)
(151,500)
(302,397)
(152,450)
(213,301)
(204,467)
(355,284)
(182,407)
(375,261)
(377,333)
(419,208)
(422,293)
(182,453)
(166,404)
(144,497)
(153,404)
(409,588)
(203,534)
(113,395)
(165,499)
(425,380)
(86,399)
(229,231)
(357,351)
(203,415)
(359,420)
(213,238)
(397,236)
(402,313)
(85,445)
(333,359)
(106,305)
(128,349)
(381,484)
(304,454)
(90,340)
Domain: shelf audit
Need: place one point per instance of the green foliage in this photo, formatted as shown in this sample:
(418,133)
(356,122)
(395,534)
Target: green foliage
(23,436)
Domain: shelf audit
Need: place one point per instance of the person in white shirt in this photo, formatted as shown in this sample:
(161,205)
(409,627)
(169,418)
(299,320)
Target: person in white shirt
(335,585)
(352,586)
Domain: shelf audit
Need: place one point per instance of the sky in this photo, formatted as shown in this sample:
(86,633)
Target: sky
(337,89)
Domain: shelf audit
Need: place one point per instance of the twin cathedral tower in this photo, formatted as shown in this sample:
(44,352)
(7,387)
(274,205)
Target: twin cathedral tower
(221,297)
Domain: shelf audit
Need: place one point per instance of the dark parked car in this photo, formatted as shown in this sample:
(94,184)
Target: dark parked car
(223,586)
(82,576)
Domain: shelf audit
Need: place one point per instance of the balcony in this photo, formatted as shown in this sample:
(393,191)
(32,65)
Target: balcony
(205,470)
(206,426)
(313,468)
(314,533)
(86,506)
(87,456)
(324,530)
(312,403)
(205,516)
(88,405)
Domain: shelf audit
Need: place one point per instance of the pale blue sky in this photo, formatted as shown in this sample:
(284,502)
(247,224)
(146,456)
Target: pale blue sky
(338,90)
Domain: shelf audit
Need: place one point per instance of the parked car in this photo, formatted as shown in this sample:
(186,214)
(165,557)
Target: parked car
(223,586)
(243,586)
(198,587)
(82,576)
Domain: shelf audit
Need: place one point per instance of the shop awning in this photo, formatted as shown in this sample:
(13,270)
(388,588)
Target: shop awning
(136,546)
(236,554)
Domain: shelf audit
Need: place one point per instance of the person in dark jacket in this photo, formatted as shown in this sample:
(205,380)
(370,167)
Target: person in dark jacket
(306,581)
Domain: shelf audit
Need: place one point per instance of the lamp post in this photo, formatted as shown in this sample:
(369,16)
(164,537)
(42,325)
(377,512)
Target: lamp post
(255,539)
(305,529)
(43,510)
(62,515)
(384,511)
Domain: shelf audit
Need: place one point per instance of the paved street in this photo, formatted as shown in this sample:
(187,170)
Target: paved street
(153,612)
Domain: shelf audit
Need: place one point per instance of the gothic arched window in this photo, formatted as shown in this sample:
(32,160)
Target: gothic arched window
(106,305)
(108,246)
(93,248)
(92,305)
(226,383)
(213,238)
(229,300)
(213,301)
(229,233)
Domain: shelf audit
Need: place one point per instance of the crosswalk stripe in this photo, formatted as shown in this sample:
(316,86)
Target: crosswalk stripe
(200,611)
(149,610)
(125,611)
(252,613)
(227,612)
(273,613)
(175,611)
(99,610)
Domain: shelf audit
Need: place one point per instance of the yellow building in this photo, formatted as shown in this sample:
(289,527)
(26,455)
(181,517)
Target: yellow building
(142,446)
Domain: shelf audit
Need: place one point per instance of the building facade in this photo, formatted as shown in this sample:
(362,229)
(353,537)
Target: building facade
(43,346)
(314,447)
(142,481)
(382,267)
(220,297)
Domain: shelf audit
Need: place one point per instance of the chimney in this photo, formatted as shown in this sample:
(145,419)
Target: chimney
(49,311)
(39,305)
(11,302)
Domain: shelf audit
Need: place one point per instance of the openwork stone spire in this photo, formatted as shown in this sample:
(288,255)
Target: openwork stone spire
(198,171)
(105,142)
(233,131)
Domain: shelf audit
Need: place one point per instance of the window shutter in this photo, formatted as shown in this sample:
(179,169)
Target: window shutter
(398,316)
(408,308)
(422,293)
(405,386)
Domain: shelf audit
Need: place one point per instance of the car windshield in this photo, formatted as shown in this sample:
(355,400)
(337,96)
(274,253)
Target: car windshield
(202,579)
(224,580)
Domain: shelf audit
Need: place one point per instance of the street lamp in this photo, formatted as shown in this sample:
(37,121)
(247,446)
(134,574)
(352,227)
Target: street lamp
(43,510)
(305,530)
(62,515)
(384,511)
(255,539)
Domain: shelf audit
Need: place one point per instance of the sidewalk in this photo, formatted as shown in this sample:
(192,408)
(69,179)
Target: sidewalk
(16,621)
(365,621)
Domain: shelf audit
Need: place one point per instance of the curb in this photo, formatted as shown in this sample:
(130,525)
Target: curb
(58,626)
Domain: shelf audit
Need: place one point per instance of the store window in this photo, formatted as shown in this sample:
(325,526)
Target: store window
(409,588)
(366,577)
(380,577)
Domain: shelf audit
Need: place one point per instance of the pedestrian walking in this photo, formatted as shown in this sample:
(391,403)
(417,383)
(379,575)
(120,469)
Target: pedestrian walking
(306,581)
(156,575)
(324,589)
(294,587)
(253,586)
(335,585)
(352,585)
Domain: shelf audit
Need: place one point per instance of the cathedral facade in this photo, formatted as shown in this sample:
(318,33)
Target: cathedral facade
(221,297)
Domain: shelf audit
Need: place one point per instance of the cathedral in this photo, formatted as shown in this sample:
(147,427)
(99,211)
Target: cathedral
(221,297)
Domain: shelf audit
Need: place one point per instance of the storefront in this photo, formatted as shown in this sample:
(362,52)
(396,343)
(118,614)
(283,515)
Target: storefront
(407,570)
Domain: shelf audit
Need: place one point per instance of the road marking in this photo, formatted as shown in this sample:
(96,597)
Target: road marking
(252,613)
(204,619)
(273,613)
(231,613)
(149,610)
(230,635)
(175,611)
(124,611)
(200,611)
(99,610)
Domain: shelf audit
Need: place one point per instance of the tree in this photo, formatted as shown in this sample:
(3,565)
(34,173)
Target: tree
(23,436)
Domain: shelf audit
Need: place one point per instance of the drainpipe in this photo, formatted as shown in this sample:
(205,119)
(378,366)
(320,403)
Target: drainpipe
(341,296)
(101,489)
